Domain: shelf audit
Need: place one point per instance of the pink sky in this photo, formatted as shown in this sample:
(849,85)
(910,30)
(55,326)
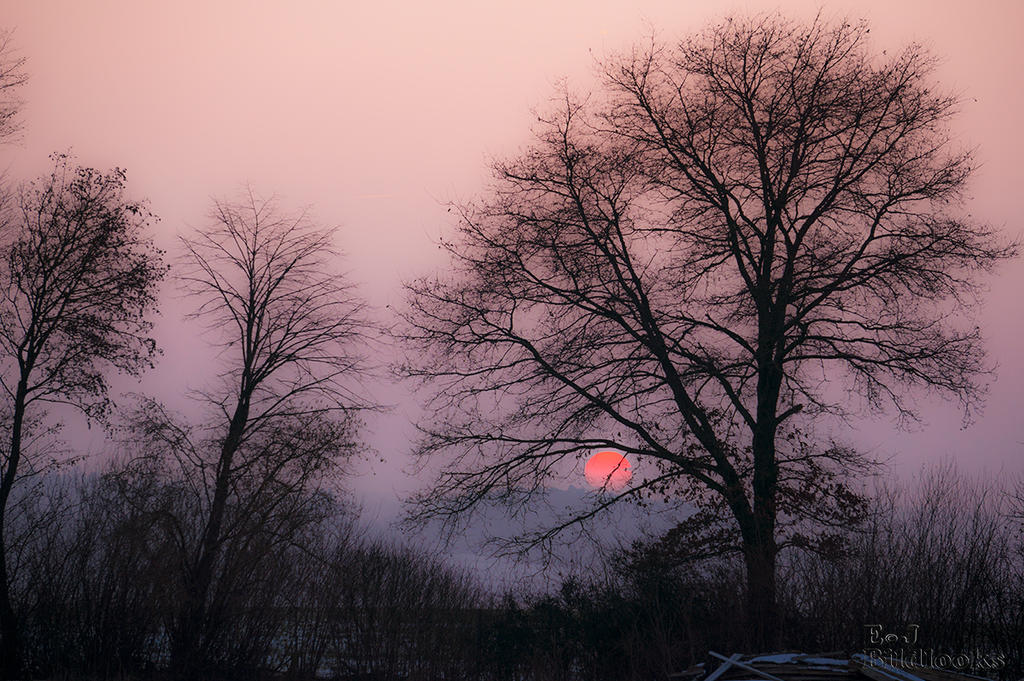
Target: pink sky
(375,113)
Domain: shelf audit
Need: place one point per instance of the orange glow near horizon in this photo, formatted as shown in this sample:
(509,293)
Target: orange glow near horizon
(609,470)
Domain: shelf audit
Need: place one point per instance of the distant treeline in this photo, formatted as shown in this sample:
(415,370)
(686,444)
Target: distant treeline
(97,581)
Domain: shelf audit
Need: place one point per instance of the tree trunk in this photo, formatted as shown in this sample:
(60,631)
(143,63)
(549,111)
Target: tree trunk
(762,609)
(10,642)
(760,548)
(10,638)
(185,655)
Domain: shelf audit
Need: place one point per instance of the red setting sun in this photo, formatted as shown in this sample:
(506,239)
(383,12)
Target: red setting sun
(608,469)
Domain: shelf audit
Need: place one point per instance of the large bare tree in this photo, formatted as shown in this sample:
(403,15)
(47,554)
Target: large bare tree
(290,327)
(687,266)
(78,280)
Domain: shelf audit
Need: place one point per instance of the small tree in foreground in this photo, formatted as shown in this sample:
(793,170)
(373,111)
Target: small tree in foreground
(78,280)
(681,268)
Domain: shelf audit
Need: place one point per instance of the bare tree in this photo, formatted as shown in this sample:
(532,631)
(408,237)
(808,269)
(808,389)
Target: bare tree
(680,269)
(287,405)
(78,279)
(12,77)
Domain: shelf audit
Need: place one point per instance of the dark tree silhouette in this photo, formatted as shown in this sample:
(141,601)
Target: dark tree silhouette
(78,279)
(681,267)
(12,77)
(267,286)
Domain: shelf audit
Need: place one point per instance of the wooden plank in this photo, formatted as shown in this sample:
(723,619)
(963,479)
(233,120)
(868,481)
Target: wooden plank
(875,673)
(747,667)
(730,661)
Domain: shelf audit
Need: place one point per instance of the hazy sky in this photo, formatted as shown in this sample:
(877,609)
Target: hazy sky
(375,113)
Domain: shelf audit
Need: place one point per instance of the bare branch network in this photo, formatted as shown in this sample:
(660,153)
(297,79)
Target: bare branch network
(12,77)
(689,264)
(264,285)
